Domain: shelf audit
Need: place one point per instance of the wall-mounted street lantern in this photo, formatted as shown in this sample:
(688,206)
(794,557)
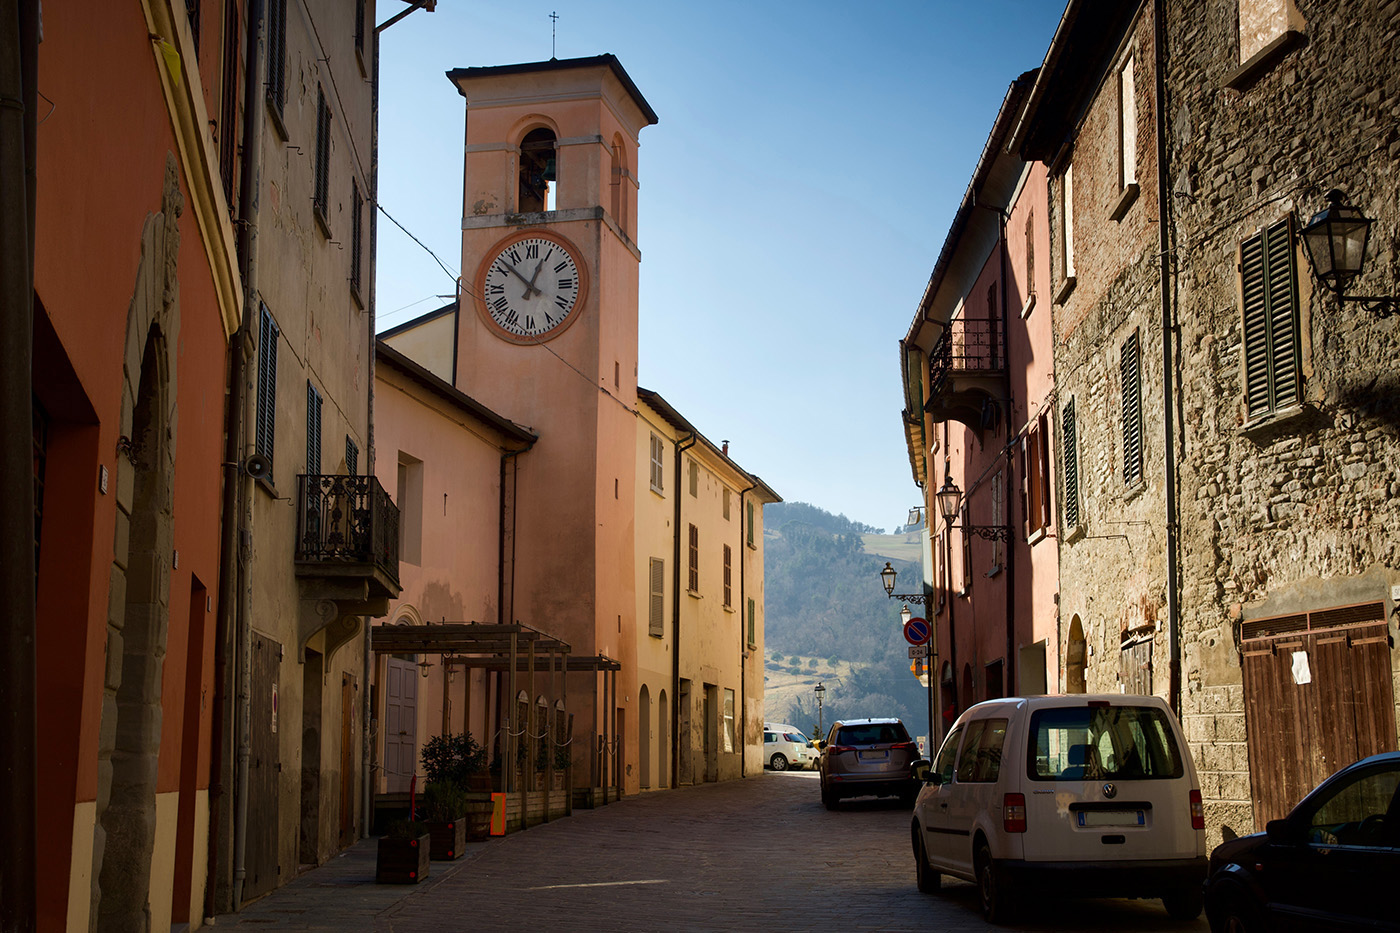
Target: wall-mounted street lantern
(1335,241)
(950,502)
(905,615)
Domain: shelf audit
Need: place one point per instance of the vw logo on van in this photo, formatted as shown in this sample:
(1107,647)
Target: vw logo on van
(1110,791)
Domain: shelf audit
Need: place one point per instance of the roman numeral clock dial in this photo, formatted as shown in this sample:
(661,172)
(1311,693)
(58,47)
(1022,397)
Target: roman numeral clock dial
(531,286)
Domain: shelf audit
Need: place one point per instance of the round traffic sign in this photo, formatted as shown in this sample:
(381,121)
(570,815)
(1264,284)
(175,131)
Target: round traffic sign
(917,631)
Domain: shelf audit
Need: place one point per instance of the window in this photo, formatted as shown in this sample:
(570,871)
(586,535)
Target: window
(192,13)
(1064,218)
(753,631)
(277,56)
(352,456)
(658,452)
(694,584)
(694,479)
(729,720)
(229,90)
(410,503)
(1113,743)
(323,157)
(1130,366)
(1127,125)
(1269,294)
(538,187)
(1263,22)
(1035,477)
(313,430)
(267,385)
(947,755)
(1071,465)
(750,528)
(725,497)
(981,757)
(728,576)
(357,207)
(966,521)
(656,612)
(1030,263)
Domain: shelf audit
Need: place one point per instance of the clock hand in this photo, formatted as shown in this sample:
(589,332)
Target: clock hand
(529,283)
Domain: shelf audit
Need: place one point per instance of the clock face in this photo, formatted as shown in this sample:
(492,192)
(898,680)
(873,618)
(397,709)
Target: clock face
(531,286)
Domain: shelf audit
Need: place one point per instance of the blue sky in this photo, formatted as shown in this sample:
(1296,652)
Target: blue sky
(793,199)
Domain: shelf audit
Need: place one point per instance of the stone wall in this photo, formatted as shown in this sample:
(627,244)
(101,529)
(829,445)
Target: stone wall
(1301,511)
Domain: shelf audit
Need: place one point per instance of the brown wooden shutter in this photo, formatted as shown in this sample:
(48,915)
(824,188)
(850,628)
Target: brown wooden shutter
(694,559)
(728,576)
(656,620)
(1129,369)
(1043,452)
(1071,465)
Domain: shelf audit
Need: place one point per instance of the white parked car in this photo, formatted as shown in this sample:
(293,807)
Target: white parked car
(785,747)
(1080,795)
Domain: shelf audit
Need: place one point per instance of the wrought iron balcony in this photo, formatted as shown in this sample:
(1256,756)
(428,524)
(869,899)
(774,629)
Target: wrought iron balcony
(966,369)
(348,527)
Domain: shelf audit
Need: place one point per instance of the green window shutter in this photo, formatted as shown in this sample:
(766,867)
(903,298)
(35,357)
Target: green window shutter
(313,430)
(750,528)
(267,384)
(752,632)
(1272,352)
(656,616)
(1131,370)
(1071,467)
(357,207)
(277,54)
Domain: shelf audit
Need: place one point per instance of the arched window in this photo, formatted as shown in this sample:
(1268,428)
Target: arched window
(538,176)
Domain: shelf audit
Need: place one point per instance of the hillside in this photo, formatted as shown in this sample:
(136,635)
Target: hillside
(827,618)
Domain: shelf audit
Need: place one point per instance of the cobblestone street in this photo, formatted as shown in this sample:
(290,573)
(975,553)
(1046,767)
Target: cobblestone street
(759,854)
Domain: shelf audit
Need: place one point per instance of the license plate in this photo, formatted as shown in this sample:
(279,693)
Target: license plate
(874,756)
(1089,818)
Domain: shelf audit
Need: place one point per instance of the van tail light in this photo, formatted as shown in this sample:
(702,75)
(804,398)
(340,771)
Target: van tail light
(1198,813)
(1013,813)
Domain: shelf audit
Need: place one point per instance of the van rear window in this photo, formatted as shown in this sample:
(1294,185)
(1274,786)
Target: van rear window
(1102,743)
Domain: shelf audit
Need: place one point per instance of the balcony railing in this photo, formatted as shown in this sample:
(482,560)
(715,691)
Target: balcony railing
(975,346)
(347,520)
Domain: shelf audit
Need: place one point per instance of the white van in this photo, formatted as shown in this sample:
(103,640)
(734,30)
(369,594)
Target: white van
(785,746)
(1079,795)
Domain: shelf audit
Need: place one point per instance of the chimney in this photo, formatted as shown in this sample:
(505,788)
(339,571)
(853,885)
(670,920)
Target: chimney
(725,448)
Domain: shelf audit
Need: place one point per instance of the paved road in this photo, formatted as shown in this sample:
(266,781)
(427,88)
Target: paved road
(760,854)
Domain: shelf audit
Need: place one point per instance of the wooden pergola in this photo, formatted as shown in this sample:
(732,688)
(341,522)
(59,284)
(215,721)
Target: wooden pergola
(509,650)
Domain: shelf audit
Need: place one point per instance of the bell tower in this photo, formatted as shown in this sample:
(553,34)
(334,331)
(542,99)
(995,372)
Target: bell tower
(547,331)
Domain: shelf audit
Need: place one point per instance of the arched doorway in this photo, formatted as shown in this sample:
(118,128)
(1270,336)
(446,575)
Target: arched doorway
(644,736)
(138,628)
(663,741)
(1076,658)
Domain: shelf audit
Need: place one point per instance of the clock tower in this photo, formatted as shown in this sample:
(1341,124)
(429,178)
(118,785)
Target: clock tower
(547,336)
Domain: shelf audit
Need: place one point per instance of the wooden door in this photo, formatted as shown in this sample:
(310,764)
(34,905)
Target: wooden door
(264,769)
(400,723)
(1318,696)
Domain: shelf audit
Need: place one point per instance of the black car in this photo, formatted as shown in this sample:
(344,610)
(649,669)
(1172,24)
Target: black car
(1328,865)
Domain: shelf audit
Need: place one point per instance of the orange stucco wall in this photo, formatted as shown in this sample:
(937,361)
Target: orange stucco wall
(102,148)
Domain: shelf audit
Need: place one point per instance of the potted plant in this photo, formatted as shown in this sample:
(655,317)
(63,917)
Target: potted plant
(454,765)
(562,761)
(403,854)
(444,814)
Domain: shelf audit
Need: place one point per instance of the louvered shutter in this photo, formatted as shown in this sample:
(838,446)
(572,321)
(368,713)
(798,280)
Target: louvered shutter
(267,385)
(694,559)
(356,235)
(753,631)
(1043,451)
(323,152)
(352,457)
(728,576)
(277,54)
(1272,351)
(1130,370)
(1025,490)
(1071,467)
(313,431)
(656,616)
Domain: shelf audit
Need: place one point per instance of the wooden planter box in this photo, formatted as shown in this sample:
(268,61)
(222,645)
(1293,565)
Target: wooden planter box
(402,861)
(449,840)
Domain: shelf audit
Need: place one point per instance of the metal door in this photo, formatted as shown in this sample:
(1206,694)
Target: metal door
(264,769)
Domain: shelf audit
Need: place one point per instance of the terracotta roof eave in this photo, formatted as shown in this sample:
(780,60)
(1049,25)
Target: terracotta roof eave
(446,390)
(675,419)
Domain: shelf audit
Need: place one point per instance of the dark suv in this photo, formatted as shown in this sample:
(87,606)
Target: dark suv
(868,757)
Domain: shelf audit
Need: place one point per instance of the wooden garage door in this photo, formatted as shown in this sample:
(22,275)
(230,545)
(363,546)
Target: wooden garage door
(1317,691)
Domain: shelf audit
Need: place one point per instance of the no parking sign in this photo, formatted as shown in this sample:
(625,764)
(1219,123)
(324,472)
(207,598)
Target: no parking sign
(917,631)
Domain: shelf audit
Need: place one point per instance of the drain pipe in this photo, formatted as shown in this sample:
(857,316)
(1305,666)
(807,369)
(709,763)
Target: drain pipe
(1168,359)
(743,630)
(238,586)
(676,622)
